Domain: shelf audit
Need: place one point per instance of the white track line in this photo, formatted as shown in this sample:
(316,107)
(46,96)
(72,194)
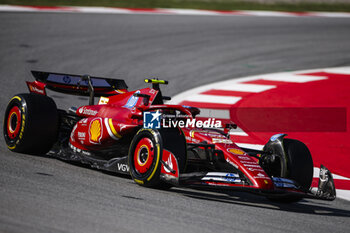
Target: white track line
(243,87)
(292,78)
(270,13)
(102,10)
(282,76)
(317,172)
(9,8)
(114,10)
(189,12)
(343,194)
(213,99)
(341,70)
(330,14)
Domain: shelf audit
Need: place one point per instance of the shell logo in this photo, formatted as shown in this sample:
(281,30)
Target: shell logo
(236,151)
(95,131)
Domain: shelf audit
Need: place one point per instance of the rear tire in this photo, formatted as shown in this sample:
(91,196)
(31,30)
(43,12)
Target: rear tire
(30,124)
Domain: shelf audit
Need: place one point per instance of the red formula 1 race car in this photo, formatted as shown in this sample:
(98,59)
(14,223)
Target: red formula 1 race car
(159,145)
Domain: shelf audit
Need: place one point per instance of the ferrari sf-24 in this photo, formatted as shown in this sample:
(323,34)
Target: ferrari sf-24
(135,133)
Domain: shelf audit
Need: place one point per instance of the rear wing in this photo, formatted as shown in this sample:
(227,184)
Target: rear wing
(76,84)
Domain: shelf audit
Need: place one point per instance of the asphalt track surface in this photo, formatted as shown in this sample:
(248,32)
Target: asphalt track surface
(40,194)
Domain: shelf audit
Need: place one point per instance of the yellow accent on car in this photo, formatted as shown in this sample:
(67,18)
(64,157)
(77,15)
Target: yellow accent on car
(23,123)
(156,81)
(138,152)
(192,133)
(9,122)
(120,91)
(236,151)
(12,147)
(139,181)
(110,122)
(103,100)
(95,130)
(16,97)
(156,165)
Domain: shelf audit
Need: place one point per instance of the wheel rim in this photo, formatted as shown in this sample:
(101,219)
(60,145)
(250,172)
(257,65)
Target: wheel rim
(13,122)
(144,155)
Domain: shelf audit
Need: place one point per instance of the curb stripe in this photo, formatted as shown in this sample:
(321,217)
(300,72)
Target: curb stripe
(163,11)
(317,172)
(206,105)
(343,194)
(293,78)
(213,99)
(244,87)
(225,93)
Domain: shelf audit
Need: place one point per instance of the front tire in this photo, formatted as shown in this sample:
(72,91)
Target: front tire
(30,124)
(300,165)
(146,151)
(144,157)
(299,168)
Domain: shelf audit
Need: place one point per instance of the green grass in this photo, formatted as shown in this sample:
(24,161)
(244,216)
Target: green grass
(190,4)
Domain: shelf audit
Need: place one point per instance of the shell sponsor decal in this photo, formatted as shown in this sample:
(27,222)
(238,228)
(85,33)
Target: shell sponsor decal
(95,131)
(236,151)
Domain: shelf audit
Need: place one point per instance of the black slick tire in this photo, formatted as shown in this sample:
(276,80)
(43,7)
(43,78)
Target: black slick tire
(299,168)
(30,124)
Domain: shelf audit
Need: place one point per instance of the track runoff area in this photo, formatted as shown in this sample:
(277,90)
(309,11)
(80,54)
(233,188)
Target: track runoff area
(311,105)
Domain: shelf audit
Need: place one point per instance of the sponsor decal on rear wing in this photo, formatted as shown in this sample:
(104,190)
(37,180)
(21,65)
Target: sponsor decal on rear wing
(77,85)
